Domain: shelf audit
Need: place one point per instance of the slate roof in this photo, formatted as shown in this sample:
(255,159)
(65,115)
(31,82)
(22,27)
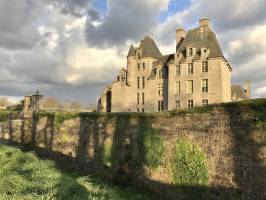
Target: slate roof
(238,92)
(132,51)
(149,48)
(197,39)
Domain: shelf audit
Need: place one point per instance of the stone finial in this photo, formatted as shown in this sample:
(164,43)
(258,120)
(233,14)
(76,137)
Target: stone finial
(204,22)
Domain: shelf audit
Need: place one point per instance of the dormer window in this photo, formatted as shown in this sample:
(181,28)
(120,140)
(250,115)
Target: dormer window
(139,56)
(190,52)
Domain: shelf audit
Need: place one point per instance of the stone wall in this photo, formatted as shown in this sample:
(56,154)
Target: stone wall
(112,145)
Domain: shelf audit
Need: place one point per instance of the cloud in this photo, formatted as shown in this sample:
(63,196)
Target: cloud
(126,20)
(17,22)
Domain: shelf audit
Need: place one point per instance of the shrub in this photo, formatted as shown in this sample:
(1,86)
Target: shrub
(188,165)
(154,148)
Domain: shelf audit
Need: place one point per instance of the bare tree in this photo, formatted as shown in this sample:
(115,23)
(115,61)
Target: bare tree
(50,102)
(4,102)
(75,105)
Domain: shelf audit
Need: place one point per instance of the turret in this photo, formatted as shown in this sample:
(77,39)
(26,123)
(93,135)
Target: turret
(180,35)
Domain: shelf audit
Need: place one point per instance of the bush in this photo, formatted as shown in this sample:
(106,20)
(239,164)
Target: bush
(188,165)
(154,148)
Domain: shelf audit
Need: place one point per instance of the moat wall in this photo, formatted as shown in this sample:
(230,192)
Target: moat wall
(139,149)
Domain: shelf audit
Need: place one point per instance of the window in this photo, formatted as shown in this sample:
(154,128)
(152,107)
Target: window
(190,103)
(143,98)
(139,55)
(118,78)
(205,66)
(190,52)
(204,102)
(178,70)
(137,109)
(160,106)
(177,87)
(161,74)
(138,66)
(143,110)
(190,68)
(143,65)
(138,98)
(160,89)
(204,85)
(143,81)
(190,87)
(138,82)
(177,104)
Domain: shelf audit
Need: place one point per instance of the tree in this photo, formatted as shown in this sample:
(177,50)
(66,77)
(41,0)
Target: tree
(4,102)
(50,102)
(75,105)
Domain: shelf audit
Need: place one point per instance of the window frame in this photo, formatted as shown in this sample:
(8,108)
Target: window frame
(177,87)
(190,69)
(190,90)
(177,104)
(177,71)
(205,67)
(190,103)
(143,82)
(204,86)
(204,102)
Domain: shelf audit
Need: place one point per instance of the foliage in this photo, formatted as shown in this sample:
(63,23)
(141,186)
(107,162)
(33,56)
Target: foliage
(107,152)
(154,148)
(60,117)
(188,164)
(5,114)
(24,176)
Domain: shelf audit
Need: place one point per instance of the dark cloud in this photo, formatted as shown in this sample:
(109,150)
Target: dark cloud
(17,28)
(126,20)
(77,8)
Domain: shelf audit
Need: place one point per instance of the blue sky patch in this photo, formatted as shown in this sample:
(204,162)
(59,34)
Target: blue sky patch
(100,6)
(174,7)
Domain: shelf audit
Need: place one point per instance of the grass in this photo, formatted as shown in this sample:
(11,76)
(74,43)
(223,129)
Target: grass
(23,176)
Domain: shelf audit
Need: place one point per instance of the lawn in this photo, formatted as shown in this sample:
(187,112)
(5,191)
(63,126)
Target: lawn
(24,176)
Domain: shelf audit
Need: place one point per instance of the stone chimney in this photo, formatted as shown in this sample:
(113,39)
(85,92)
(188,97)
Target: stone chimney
(248,89)
(204,22)
(180,35)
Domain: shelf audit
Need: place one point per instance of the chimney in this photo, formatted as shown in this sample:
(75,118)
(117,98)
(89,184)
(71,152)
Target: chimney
(180,35)
(204,22)
(248,89)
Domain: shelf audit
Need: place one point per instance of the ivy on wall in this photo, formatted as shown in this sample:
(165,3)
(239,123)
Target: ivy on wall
(154,148)
(188,164)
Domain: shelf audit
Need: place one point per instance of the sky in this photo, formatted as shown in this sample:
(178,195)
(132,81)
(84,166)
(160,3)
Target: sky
(72,49)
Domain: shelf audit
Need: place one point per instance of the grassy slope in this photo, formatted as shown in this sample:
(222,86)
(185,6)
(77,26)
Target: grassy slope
(24,176)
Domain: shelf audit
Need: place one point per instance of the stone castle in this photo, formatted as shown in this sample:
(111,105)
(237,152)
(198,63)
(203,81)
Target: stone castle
(197,74)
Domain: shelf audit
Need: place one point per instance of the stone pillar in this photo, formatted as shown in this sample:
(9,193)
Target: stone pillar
(31,103)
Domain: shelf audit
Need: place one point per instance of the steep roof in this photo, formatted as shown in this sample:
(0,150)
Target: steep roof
(131,51)
(197,38)
(238,92)
(149,48)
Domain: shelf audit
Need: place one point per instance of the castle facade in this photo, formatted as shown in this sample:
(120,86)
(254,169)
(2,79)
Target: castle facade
(197,74)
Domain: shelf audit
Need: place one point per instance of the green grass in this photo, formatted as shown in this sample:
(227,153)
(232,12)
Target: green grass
(23,176)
